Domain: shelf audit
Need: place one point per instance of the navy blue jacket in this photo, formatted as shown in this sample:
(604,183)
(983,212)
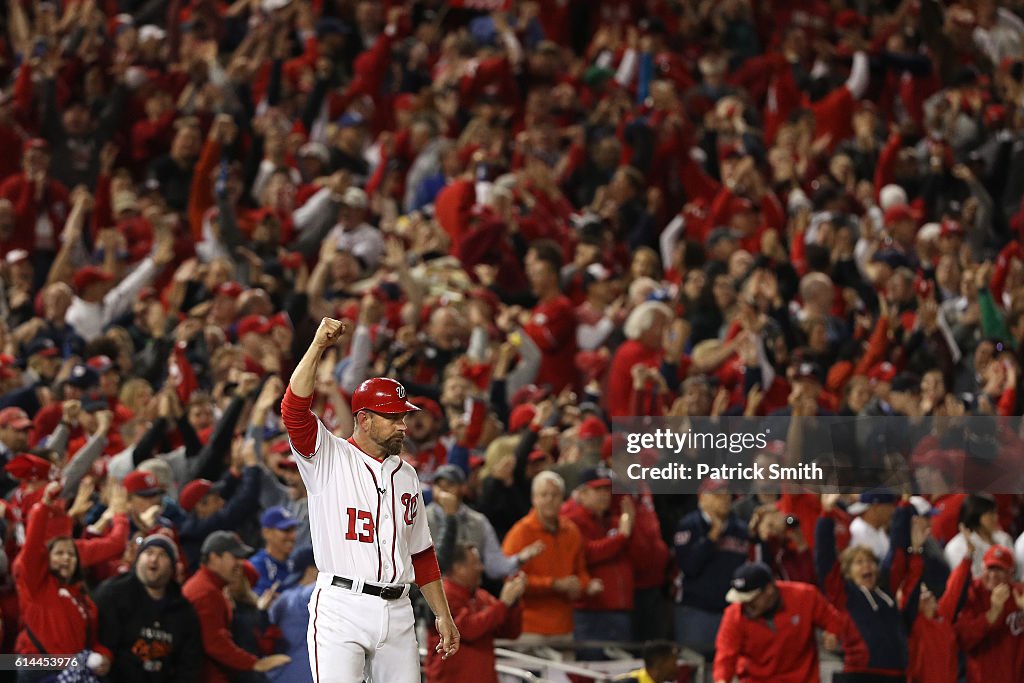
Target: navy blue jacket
(242,504)
(708,566)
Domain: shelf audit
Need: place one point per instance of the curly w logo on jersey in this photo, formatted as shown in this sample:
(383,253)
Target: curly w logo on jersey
(411,502)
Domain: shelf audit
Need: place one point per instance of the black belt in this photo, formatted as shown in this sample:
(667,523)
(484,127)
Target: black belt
(383,592)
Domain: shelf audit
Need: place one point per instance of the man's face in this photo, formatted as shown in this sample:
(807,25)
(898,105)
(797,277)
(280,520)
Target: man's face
(15,439)
(76,120)
(200,415)
(547,500)
(186,144)
(420,425)
(35,160)
(226,566)
(387,431)
(469,571)
(447,486)
(454,391)
(715,504)
(154,568)
(764,601)
(994,576)
(210,504)
(538,273)
(280,541)
(138,504)
(109,382)
(596,500)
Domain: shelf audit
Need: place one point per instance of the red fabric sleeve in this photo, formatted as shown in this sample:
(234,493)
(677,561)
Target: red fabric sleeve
(300,422)
(954,589)
(424,564)
(886,163)
(110,546)
(218,642)
(102,212)
(201,197)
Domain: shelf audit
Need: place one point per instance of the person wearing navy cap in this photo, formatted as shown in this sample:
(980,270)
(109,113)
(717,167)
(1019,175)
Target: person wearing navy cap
(272,561)
(768,630)
(871,527)
(290,613)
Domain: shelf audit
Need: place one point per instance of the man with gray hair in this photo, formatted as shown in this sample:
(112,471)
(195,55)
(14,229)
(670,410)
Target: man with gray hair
(558,575)
(655,341)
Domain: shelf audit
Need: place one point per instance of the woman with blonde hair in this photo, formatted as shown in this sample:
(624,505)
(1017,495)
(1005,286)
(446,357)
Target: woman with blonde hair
(852,583)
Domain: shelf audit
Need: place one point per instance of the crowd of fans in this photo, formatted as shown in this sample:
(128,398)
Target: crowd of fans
(538,216)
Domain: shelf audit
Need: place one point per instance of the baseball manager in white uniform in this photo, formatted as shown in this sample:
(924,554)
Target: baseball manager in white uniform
(369,529)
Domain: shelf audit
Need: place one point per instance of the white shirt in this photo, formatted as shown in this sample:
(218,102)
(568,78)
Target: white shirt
(957,548)
(1018,551)
(366,517)
(862,533)
(89,319)
(364,241)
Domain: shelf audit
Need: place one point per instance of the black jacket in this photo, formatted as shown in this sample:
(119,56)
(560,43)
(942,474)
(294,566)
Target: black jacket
(152,641)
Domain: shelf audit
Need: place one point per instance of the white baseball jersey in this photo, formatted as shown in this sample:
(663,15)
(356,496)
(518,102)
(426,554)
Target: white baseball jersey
(365,516)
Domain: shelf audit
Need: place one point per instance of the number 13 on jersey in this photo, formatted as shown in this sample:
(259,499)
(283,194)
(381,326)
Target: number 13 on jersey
(366,530)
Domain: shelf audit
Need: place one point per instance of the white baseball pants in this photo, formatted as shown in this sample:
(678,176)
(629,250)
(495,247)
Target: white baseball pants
(354,637)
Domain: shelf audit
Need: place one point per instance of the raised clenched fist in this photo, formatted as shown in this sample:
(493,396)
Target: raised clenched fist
(329,332)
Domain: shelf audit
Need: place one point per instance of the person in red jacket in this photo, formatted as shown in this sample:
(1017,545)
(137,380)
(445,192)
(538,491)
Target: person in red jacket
(40,208)
(645,327)
(990,628)
(607,614)
(58,616)
(480,618)
(552,324)
(767,633)
(222,555)
(653,570)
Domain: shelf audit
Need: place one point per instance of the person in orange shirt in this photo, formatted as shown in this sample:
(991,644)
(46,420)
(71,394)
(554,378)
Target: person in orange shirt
(558,575)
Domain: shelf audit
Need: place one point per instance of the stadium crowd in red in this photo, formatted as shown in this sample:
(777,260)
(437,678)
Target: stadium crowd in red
(538,216)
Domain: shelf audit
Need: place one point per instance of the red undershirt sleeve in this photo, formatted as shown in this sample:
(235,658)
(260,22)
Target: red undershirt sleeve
(424,564)
(299,422)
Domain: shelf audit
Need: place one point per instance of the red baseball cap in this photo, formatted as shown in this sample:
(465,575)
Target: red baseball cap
(595,477)
(281,320)
(592,427)
(229,289)
(15,418)
(951,228)
(520,417)
(28,467)
(90,275)
(531,393)
(429,405)
(900,212)
(537,456)
(251,575)
(100,364)
(193,492)
(254,324)
(381,395)
(1000,557)
(143,484)
(882,372)
(36,143)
